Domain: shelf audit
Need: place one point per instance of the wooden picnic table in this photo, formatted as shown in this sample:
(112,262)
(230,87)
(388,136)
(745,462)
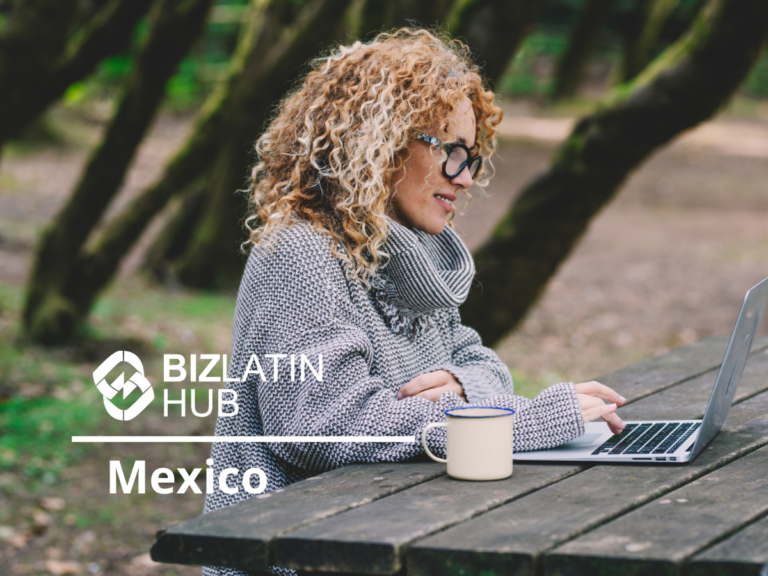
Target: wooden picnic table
(708,517)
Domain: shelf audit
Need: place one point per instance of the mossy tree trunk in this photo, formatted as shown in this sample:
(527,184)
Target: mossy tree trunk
(176,234)
(640,51)
(41,55)
(189,168)
(493,29)
(570,67)
(686,85)
(49,314)
(212,258)
(268,58)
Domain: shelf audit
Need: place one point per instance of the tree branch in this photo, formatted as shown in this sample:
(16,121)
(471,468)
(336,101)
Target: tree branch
(175,25)
(493,29)
(33,37)
(686,85)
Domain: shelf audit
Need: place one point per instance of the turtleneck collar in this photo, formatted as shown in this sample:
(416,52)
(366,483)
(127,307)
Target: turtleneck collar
(425,273)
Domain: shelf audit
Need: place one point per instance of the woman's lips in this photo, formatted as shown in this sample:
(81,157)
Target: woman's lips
(447,206)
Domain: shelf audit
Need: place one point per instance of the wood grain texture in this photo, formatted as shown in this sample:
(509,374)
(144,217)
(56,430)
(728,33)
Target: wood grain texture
(655,374)
(689,399)
(660,536)
(372,539)
(375,518)
(512,539)
(241,536)
(743,554)
(750,417)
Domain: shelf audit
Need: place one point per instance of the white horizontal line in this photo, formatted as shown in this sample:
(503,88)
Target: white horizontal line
(271,439)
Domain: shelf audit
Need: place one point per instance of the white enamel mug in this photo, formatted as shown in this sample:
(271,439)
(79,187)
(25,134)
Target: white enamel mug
(479,442)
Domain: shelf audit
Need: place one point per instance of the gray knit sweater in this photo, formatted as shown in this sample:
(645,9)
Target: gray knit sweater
(295,299)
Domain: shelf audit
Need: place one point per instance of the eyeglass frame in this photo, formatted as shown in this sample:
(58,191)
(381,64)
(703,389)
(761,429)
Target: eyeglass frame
(448,148)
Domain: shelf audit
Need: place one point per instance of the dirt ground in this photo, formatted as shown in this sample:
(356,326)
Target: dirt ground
(665,264)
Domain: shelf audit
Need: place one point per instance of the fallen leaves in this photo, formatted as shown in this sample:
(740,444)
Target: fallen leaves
(53,503)
(61,567)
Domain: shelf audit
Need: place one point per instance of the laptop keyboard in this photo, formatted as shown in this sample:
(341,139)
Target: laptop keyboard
(648,438)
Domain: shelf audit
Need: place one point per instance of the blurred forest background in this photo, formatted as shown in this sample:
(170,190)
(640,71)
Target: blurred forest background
(627,215)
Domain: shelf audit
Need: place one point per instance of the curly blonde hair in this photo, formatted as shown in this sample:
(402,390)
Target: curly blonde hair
(329,155)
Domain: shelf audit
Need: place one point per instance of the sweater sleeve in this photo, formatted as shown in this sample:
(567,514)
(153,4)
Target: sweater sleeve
(307,312)
(552,418)
(475,366)
(312,318)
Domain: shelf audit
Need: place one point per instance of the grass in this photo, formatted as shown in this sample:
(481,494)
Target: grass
(48,395)
(530,385)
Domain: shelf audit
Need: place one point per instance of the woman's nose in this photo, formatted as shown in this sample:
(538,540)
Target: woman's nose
(463,179)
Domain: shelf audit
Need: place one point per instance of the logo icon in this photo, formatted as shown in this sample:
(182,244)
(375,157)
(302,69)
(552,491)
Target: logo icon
(109,391)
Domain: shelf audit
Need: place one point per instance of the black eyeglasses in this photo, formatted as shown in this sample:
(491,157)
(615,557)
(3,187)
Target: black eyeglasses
(457,158)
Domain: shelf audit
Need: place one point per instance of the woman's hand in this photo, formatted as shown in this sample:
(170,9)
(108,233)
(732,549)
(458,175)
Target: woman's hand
(591,396)
(431,386)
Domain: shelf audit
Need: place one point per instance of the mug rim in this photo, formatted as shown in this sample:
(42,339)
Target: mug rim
(509,412)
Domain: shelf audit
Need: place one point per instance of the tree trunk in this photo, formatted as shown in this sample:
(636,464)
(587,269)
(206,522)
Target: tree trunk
(267,56)
(34,79)
(494,29)
(378,15)
(33,37)
(570,67)
(640,52)
(686,85)
(97,263)
(173,239)
(213,259)
(49,315)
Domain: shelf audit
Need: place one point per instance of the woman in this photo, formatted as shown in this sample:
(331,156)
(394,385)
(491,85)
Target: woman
(352,260)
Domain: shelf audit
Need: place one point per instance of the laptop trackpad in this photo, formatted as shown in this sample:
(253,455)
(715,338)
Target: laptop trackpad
(581,442)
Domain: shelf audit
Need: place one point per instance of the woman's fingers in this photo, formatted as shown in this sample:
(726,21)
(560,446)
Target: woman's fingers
(424,382)
(595,412)
(594,388)
(593,408)
(615,423)
(420,383)
(433,394)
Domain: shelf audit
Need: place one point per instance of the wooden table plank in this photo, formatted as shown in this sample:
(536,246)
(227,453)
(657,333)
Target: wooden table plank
(512,539)
(658,537)
(655,374)
(689,399)
(743,554)
(750,417)
(371,539)
(241,536)
(249,534)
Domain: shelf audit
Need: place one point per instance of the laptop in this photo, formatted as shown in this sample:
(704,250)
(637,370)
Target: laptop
(665,441)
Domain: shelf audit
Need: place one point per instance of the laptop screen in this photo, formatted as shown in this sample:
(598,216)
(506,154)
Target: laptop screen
(733,364)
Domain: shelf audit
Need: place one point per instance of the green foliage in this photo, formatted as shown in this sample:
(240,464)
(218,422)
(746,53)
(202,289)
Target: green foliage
(531,71)
(196,77)
(529,385)
(186,89)
(35,433)
(756,84)
(45,400)
(528,73)
(47,396)
(115,70)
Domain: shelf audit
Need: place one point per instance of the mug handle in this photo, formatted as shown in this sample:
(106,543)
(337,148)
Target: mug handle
(427,428)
